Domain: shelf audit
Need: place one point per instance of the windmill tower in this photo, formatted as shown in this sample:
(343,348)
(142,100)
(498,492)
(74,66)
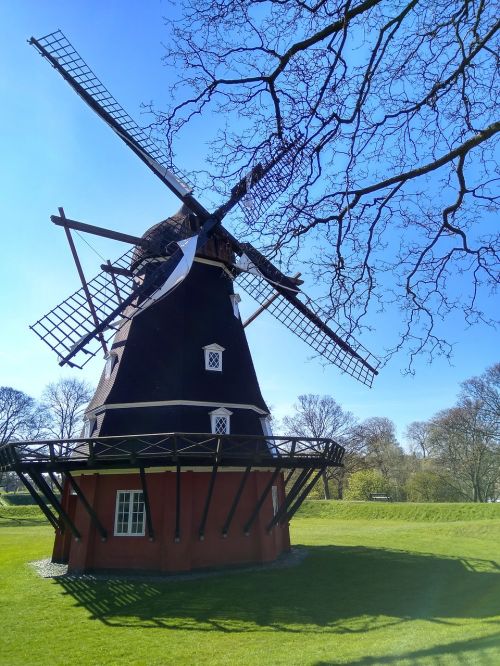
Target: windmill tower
(177,468)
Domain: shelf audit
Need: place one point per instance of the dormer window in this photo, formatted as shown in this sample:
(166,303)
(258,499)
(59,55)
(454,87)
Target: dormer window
(219,420)
(235,299)
(88,427)
(111,360)
(213,357)
(268,432)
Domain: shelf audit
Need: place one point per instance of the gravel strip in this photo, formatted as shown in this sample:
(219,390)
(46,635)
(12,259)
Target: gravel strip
(48,569)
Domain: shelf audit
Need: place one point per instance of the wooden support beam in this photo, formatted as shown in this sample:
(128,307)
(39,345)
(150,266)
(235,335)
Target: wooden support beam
(39,501)
(303,495)
(289,476)
(44,487)
(89,509)
(177,534)
(62,221)
(115,284)
(294,490)
(261,501)
(236,501)
(116,270)
(260,310)
(211,485)
(147,506)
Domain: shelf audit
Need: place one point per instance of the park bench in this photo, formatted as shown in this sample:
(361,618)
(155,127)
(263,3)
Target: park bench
(380,497)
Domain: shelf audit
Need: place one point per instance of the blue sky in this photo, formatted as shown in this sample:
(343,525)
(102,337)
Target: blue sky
(56,152)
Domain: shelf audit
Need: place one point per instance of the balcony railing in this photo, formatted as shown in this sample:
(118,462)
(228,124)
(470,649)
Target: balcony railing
(200,449)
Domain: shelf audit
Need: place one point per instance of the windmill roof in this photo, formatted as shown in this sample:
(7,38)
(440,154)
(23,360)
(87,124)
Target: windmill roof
(182,224)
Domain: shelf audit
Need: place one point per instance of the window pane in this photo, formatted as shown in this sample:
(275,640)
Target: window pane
(274,493)
(137,522)
(220,425)
(122,513)
(214,360)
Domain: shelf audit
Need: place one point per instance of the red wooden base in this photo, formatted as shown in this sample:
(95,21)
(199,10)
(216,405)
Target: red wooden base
(163,553)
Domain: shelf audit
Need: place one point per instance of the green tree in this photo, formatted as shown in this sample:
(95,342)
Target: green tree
(365,482)
(430,486)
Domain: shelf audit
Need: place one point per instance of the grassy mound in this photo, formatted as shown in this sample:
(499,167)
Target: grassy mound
(432,512)
(17,499)
(21,515)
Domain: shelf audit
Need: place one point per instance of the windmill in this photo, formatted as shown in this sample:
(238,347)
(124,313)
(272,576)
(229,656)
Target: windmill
(165,315)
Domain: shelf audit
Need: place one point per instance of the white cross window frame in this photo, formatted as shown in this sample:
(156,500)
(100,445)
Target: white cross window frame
(213,357)
(88,427)
(111,360)
(130,513)
(220,421)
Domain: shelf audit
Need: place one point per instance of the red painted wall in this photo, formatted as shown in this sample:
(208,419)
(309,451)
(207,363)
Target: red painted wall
(162,553)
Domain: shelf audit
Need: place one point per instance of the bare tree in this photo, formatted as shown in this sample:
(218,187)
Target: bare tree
(465,440)
(464,449)
(65,401)
(418,434)
(485,390)
(322,417)
(20,417)
(392,110)
(381,446)
(384,453)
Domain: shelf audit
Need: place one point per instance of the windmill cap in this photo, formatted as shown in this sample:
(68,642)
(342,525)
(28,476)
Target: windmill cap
(179,226)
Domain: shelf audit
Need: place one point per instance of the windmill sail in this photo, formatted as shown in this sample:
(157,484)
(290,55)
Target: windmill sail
(66,324)
(336,346)
(256,192)
(289,164)
(61,54)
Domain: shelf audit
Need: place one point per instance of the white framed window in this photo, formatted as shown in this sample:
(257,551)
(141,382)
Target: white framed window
(235,299)
(111,360)
(88,427)
(220,421)
(274,495)
(268,432)
(213,357)
(130,513)
(266,426)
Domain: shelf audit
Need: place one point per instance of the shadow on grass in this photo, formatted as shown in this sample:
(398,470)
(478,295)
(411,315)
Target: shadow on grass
(12,521)
(336,589)
(482,651)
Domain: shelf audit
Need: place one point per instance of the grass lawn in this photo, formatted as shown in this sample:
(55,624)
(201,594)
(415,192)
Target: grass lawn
(371,591)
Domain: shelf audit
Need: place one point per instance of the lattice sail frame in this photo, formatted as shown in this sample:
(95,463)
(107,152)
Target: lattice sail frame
(260,290)
(58,46)
(291,165)
(64,326)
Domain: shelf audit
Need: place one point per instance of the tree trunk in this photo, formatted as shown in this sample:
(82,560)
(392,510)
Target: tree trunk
(326,489)
(340,486)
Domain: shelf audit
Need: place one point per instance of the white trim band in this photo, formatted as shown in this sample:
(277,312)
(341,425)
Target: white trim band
(173,403)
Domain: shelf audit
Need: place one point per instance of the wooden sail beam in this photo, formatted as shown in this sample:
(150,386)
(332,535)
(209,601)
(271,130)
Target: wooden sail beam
(85,287)
(62,221)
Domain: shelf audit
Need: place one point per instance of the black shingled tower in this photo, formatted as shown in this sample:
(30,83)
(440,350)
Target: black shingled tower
(157,379)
